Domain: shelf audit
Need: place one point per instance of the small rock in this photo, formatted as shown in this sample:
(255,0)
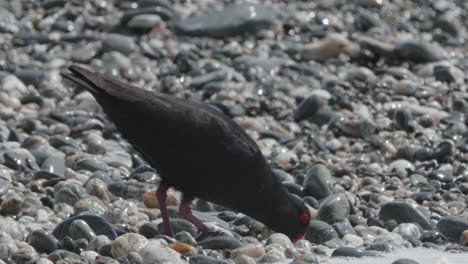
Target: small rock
(334,209)
(452,227)
(353,252)
(405,261)
(318,182)
(319,232)
(255,250)
(42,241)
(184,249)
(127,243)
(155,252)
(406,212)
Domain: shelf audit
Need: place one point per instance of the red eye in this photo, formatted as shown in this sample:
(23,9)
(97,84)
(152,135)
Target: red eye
(304,218)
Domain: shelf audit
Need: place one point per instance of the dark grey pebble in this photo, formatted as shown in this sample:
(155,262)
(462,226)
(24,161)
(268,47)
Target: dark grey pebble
(91,164)
(179,225)
(405,261)
(149,230)
(334,209)
(68,192)
(343,228)
(80,229)
(99,225)
(54,165)
(105,250)
(319,232)
(42,241)
(30,75)
(164,13)
(308,107)
(220,242)
(109,260)
(353,252)
(58,141)
(452,227)
(419,51)
(185,237)
(63,254)
(406,212)
(318,182)
(441,175)
(432,236)
(202,259)
(122,44)
(231,21)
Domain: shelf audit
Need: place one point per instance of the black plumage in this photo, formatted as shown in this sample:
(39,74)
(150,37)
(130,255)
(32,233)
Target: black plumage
(197,150)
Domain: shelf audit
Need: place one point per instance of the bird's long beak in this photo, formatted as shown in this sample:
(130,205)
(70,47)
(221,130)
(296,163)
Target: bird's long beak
(299,237)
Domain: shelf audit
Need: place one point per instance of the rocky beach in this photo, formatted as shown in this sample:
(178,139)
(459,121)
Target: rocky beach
(360,107)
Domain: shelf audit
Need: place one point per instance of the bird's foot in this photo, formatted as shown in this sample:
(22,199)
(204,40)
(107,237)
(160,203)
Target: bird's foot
(185,211)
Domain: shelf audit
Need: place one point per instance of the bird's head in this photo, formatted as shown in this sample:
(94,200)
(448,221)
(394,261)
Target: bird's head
(291,217)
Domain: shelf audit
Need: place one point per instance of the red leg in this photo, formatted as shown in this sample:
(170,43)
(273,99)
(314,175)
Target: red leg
(161,196)
(185,211)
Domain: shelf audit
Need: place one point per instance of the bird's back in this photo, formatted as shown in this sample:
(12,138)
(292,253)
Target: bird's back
(194,147)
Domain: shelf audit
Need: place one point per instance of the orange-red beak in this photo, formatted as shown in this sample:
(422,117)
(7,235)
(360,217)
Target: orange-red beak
(299,237)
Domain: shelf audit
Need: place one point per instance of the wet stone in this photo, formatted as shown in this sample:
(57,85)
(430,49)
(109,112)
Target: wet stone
(452,227)
(231,21)
(319,232)
(334,209)
(221,242)
(42,241)
(353,252)
(318,182)
(406,212)
(99,225)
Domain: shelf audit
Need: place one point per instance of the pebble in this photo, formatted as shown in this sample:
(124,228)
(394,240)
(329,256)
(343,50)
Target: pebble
(127,243)
(405,261)
(42,241)
(80,229)
(452,227)
(155,252)
(184,249)
(406,212)
(353,252)
(220,242)
(202,259)
(320,232)
(334,209)
(99,226)
(255,250)
(233,20)
(119,43)
(318,182)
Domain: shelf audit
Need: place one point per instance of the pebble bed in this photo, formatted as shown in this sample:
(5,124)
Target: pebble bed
(359,106)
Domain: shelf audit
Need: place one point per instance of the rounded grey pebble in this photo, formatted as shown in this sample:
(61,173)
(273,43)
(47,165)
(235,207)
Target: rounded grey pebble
(185,237)
(42,241)
(318,182)
(353,252)
(405,261)
(178,225)
(220,242)
(202,259)
(334,209)
(319,232)
(81,229)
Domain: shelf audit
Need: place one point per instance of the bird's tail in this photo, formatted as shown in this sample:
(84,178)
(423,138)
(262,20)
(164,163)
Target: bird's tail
(83,78)
(98,84)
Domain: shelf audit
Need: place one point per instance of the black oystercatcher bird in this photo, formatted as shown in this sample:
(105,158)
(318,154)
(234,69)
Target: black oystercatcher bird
(199,151)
